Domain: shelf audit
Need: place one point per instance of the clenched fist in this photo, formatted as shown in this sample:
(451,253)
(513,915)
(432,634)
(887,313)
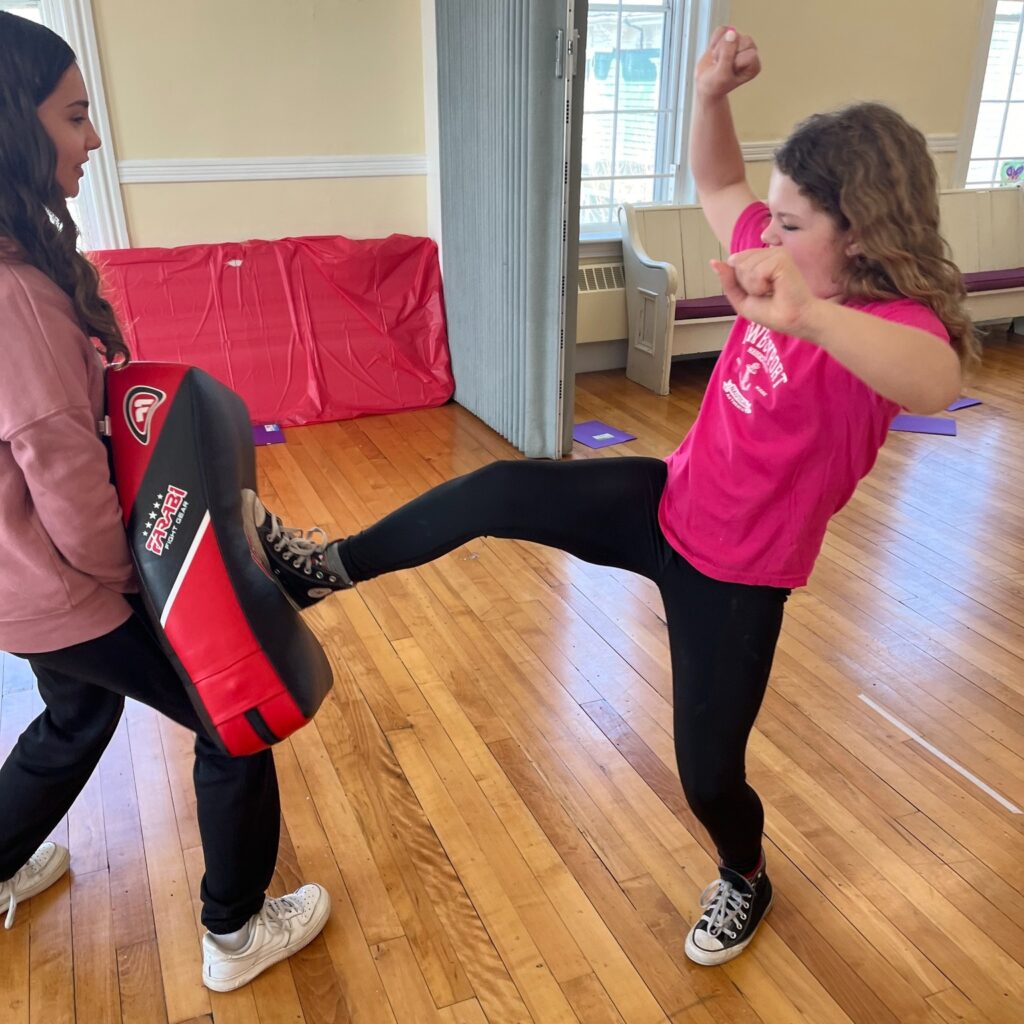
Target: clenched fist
(765,286)
(730,61)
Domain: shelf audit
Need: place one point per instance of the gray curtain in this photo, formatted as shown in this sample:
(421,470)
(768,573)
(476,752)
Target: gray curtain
(510,116)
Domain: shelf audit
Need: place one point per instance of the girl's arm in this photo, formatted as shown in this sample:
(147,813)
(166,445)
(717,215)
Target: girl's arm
(716,160)
(911,367)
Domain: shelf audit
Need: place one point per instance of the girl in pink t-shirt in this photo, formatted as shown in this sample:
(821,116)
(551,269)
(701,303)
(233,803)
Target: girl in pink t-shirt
(849,309)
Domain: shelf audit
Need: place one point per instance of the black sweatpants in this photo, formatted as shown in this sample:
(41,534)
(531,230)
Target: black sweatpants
(722,636)
(83,688)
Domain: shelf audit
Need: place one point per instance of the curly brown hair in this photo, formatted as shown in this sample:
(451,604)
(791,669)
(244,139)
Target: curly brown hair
(33,210)
(870,171)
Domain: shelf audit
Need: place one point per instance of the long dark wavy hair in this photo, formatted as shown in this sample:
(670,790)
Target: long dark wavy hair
(870,170)
(33,210)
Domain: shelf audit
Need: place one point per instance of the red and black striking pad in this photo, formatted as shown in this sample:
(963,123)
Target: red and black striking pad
(182,452)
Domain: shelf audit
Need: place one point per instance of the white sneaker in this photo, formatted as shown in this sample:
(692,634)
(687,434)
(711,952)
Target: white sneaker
(44,867)
(281,928)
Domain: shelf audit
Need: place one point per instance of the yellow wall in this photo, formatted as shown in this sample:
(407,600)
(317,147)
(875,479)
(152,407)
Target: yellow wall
(259,78)
(231,211)
(915,55)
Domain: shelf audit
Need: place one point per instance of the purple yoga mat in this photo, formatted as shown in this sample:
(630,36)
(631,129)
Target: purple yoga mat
(924,424)
(595,434)
(963,403)
(267,433)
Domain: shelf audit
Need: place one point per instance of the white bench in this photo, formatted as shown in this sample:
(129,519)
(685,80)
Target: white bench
(985,230)
(674,304)
(665,254)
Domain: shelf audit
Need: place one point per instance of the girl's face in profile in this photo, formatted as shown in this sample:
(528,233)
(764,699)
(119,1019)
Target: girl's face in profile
(819,249)
(65,117)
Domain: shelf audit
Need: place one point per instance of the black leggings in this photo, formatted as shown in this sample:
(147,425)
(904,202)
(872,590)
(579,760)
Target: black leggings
(83,688)
(722,636)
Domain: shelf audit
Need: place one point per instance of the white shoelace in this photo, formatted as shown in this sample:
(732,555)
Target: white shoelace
(306,548)
(278,910)
(12,904)
(725,906)
(31,867)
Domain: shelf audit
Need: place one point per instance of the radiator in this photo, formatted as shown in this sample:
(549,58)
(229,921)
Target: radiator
(601,306)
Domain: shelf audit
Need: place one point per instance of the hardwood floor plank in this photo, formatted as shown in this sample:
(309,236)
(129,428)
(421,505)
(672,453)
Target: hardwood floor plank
(140,985)
(177,938)
(51,970)
(95,958)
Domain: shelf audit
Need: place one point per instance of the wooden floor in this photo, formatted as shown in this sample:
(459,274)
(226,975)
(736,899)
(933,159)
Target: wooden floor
(490,794)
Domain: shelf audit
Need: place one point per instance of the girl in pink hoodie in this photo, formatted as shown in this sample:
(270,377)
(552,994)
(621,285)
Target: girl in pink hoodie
(67,585)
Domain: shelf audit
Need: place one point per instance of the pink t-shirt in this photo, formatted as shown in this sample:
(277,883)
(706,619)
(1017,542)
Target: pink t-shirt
(783,435)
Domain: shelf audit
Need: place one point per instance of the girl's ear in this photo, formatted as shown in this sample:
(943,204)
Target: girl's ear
(853,249)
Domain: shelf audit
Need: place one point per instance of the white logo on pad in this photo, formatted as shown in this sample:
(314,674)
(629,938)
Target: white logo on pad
(140,404)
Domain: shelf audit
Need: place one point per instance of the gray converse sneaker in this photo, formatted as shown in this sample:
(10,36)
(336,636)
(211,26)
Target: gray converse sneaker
(44,867)
(306,569)
(283,927)
(733,908)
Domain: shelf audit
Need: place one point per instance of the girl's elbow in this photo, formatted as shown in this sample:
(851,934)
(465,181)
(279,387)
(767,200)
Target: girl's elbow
(945,390)
(953,379)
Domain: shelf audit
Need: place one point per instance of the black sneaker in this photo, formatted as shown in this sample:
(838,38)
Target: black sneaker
(301,563)
(733,908)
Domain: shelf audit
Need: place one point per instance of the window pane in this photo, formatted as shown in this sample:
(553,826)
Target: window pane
(990,125)
(602,61)
(597,215)
(635,190)
(640,59)
(24,10)
(636,143)
(980,171)
(1018,77)
(1000,59)
(1013,135)
(598,141)
(596,193)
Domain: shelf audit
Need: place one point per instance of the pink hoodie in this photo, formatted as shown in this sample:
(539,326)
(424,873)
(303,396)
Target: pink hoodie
(64,561)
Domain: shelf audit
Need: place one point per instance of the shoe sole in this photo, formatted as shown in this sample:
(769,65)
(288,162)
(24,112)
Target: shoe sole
(63,859)
(230,984)
(712,958)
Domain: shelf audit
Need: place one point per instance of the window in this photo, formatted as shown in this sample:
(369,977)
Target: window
(627,109)
(639,63)
(997,155)
(98,210)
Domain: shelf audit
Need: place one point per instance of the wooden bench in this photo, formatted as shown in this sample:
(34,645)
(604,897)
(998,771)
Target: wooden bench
(674,303)
(985,230)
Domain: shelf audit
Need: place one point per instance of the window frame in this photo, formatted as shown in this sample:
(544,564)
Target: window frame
(974,100)
(100,206)
(691,23)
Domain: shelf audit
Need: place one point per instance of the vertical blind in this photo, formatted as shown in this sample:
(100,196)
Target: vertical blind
(508,120)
